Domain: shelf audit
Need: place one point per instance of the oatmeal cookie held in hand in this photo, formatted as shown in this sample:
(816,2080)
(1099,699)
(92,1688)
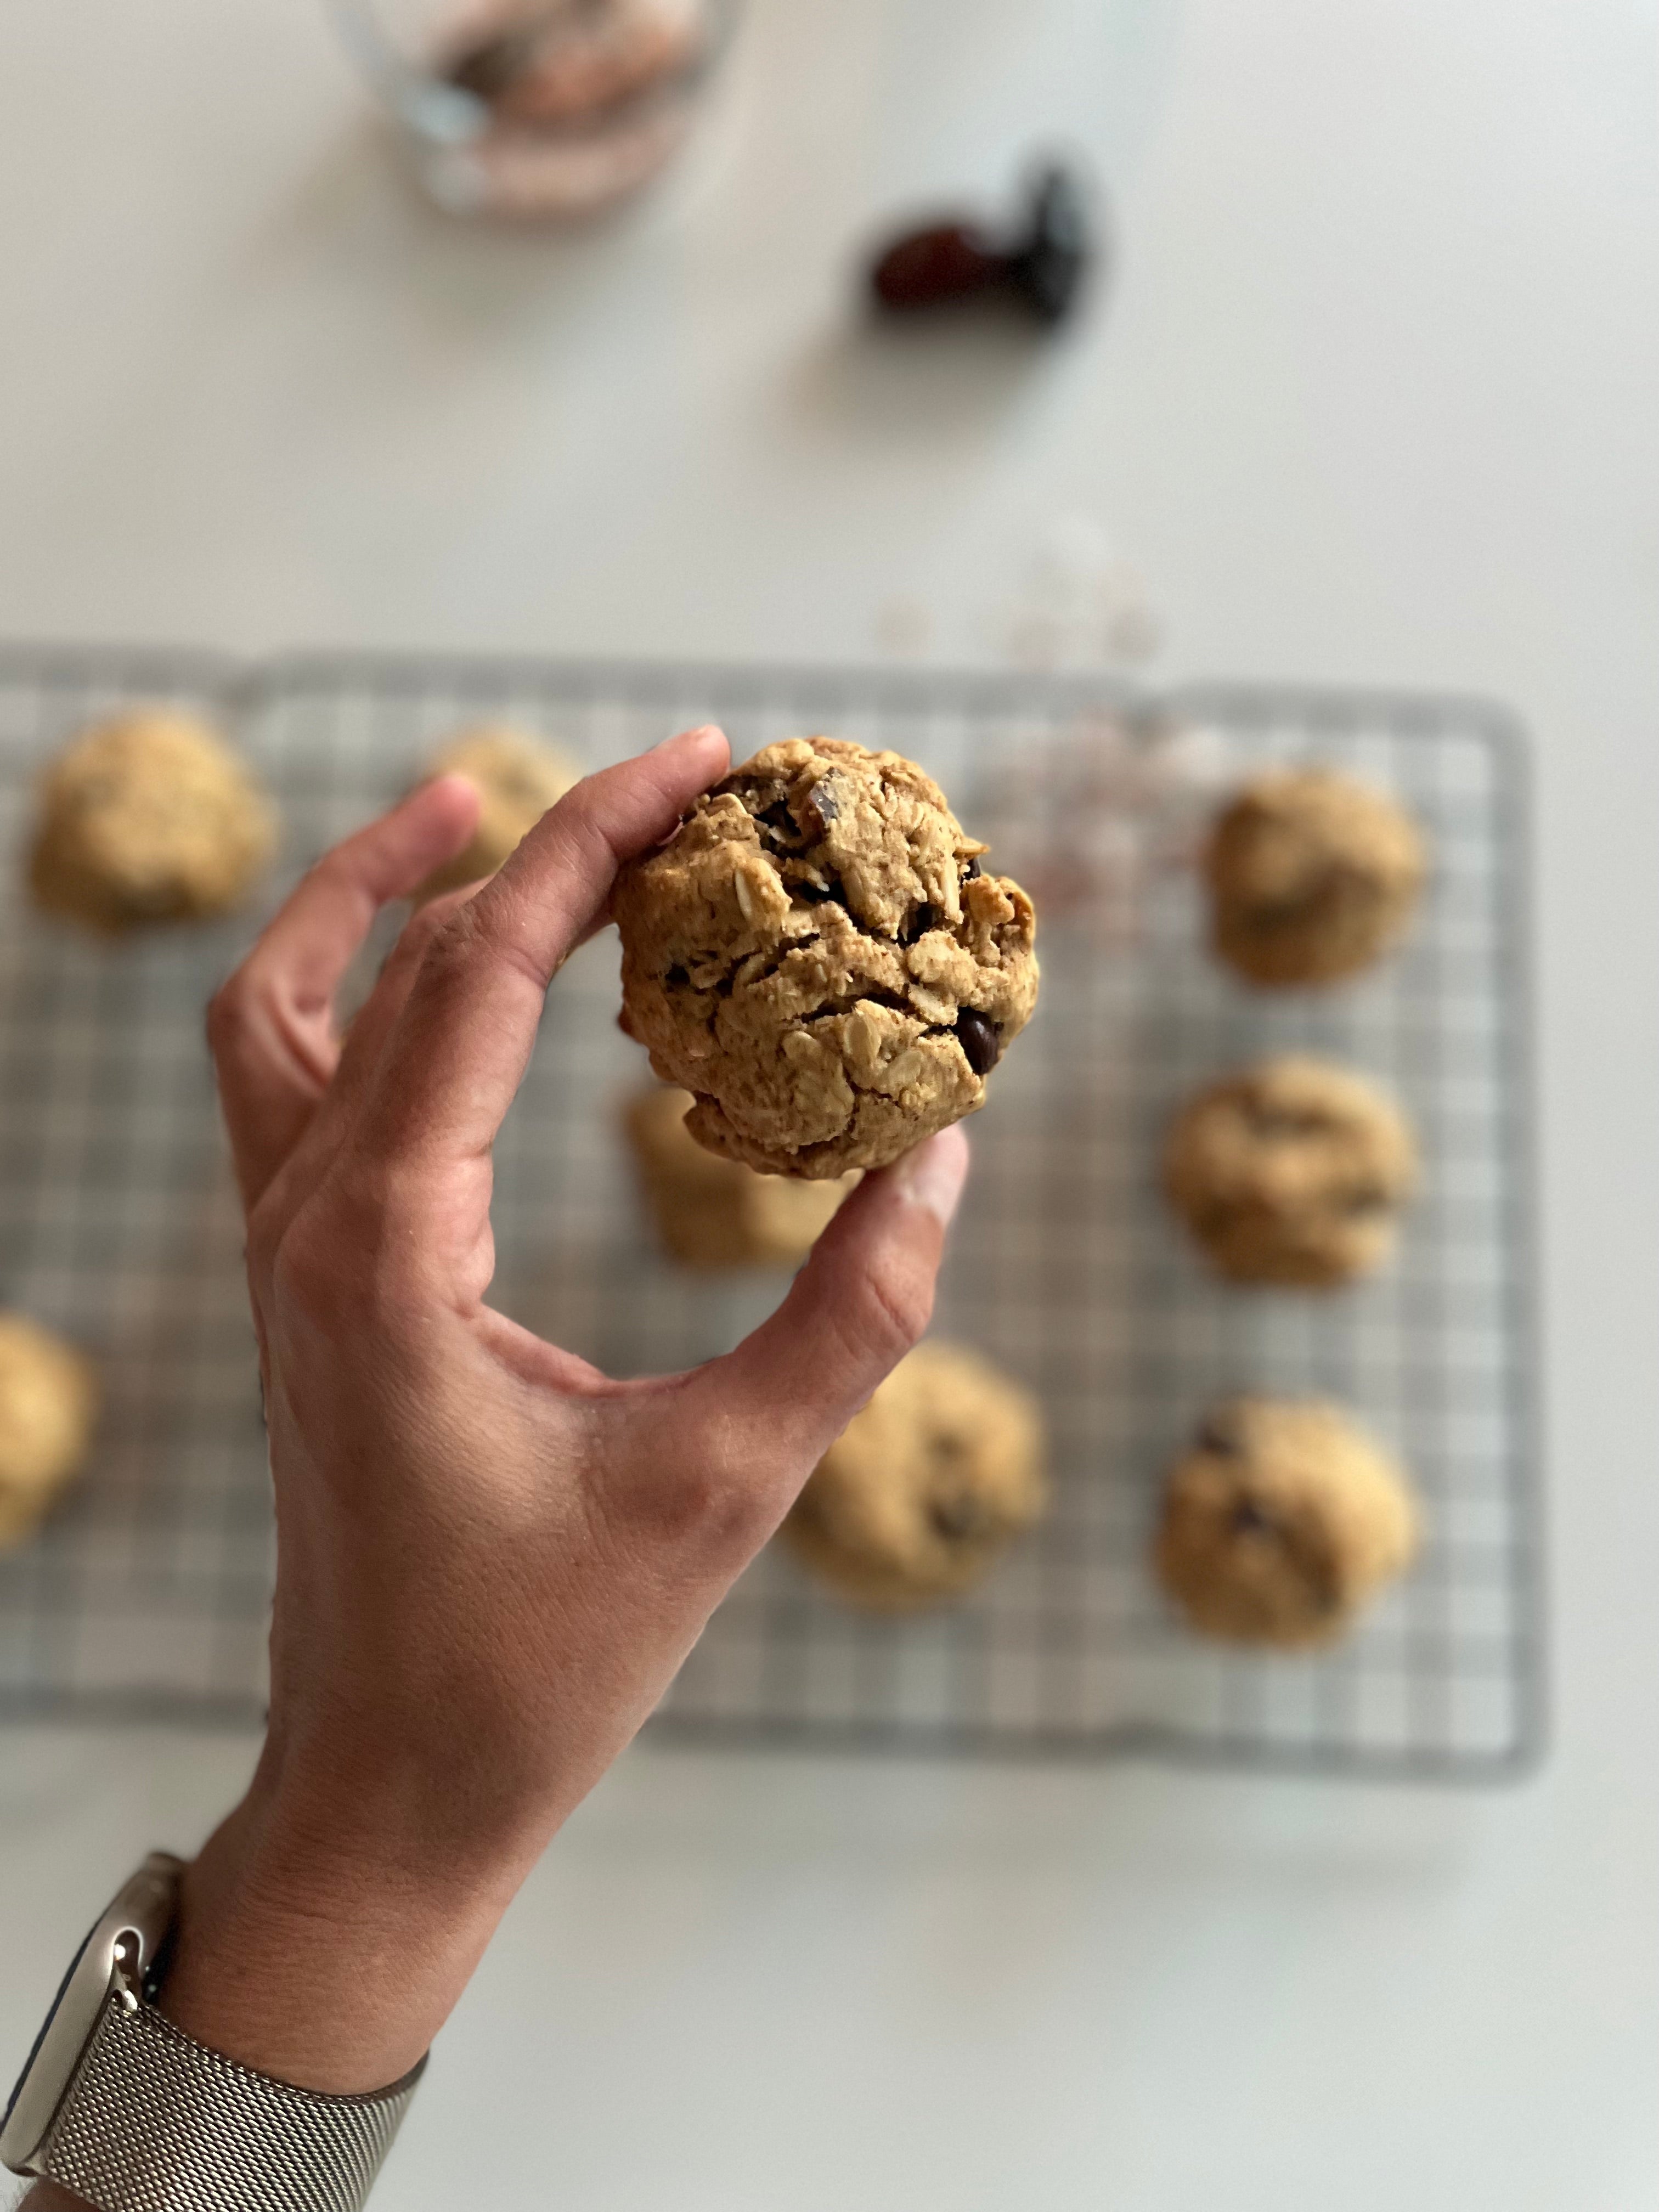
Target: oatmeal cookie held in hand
(818,958)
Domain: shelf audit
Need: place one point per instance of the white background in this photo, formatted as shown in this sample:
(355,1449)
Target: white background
(1374,400)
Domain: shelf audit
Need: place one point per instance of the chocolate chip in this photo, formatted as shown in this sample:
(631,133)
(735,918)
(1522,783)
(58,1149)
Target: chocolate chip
(1219,1432)
(981,1040)
(1247,1519)
(959,1517)
(969,872)
(1283,1123)
(821,804)
(1369,1200)
(1266,919)
(923,919)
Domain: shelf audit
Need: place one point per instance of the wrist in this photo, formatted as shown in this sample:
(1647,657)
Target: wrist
(322,1943)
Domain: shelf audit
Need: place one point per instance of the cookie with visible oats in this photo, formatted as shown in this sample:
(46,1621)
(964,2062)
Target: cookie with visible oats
(1291,1171)
(148,817)
(518,777)
(1279,1523)
(925,1487)
(1311,876)
(818,958)
(48,1402)
(712,1213)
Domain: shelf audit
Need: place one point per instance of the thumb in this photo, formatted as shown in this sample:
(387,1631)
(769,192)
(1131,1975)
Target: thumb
(861,1302)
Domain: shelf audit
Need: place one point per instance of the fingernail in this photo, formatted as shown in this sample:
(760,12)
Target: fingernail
(455,782)
(933,1175)
(700,737)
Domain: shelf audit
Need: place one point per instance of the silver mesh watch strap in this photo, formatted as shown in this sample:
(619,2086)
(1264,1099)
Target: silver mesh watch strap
(152,2122)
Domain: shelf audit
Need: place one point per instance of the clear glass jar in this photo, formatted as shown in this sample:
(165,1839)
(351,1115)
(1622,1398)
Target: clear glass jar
(538,108)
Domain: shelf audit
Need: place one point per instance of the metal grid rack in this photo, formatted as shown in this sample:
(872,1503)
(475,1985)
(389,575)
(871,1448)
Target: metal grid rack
(146,1595)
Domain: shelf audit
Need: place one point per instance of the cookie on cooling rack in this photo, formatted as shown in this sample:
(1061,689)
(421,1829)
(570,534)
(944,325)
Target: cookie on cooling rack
(1291,1171)
(926,1487)
(818,958)
(712,1213)
(48,1402)
(518,777)
(149,817)
(1311,877)
(1279,1523)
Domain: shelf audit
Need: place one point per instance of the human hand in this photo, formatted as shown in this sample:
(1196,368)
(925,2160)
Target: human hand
(491,1558)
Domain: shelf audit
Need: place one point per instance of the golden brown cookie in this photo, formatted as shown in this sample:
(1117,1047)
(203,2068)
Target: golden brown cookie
(817,956)
(926,1487)
(519,777)
(1279,1523)
(48,1402)
(149,817)
(1291,1171)
(712,1212)
(1311,876)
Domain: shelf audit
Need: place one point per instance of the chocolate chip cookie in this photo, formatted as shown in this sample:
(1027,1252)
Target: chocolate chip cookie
(714,1213)
(1311,876)
(48,1402)
(148,817)
(818,956)
(1291,1171)
(926,1487)
(1281,1522)
(519,777)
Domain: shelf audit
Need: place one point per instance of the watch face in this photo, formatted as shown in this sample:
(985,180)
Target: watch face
(143,1910)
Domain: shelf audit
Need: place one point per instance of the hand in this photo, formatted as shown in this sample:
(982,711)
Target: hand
(491,1558)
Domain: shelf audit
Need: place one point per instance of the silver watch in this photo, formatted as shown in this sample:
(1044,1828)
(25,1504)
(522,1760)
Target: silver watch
(133,2115)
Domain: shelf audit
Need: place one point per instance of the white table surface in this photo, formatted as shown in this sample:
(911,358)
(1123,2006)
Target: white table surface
(1373,400)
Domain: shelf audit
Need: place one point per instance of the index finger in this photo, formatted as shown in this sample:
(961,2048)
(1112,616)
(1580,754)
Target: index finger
(462,1042)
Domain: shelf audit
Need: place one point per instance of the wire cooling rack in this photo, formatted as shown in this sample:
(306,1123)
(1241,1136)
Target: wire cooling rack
(146,1595)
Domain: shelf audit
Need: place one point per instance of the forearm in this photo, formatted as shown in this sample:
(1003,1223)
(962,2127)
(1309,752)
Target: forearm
(317,1966)
(327,1950)
(303,1950)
